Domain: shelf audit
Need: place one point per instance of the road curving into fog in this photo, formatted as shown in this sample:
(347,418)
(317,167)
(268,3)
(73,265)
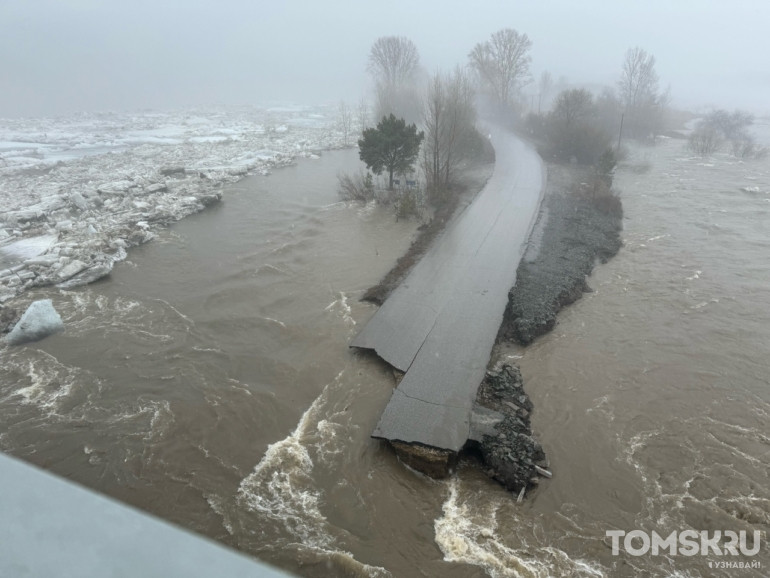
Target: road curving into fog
(440,324)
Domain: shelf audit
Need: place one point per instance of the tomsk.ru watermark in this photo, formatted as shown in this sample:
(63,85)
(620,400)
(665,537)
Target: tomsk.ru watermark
(686,543)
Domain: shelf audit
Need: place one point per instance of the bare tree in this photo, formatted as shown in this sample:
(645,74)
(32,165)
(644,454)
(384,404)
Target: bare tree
(356,187)
(433,121)
(573,106)
(393,63)
(638,80)
(393,60)
(721,126)
(731,125)
(705,140)
(502,63)
(572,131)
(345,121)
(448,118)
(640,93)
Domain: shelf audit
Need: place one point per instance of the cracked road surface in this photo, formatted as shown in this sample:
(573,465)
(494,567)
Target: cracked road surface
(440,324)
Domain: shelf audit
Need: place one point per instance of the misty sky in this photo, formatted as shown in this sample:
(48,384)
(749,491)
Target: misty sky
(62,56)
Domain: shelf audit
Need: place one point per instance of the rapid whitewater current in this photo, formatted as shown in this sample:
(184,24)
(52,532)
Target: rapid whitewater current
(209,381)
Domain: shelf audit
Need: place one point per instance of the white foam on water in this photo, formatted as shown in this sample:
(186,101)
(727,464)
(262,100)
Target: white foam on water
(282,489)
(333,205)
(45,390)
(677,502)
(86,311)
(175,310)
(341,563)
(703,304)
(235,384)
(156,413)
(281,486)
(161,419)
(694,276)
(207,350)
(271,320)
(342,308)
(40,380)
(327,432)
(282,247)
(70,393)
(468,533)
(271,268)
(216,505)
(748,432)
(604,406)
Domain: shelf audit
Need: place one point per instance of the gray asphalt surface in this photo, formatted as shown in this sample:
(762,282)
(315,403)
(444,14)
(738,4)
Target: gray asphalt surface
(440,324)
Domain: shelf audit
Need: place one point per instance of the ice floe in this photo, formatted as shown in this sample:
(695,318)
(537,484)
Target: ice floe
(76,192)
(39,320)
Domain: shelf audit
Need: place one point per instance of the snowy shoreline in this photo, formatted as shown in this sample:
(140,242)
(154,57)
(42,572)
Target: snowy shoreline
(76,193)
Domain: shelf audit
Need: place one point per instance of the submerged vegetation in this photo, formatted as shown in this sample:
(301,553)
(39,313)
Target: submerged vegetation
(720,129)
(356,187)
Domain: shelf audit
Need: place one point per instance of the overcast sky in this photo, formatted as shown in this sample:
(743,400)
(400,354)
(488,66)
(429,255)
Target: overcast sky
(62,56)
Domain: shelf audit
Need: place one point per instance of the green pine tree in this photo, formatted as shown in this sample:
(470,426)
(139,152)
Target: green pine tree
(392,146)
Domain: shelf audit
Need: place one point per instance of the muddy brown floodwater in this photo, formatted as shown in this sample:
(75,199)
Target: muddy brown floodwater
(209,381)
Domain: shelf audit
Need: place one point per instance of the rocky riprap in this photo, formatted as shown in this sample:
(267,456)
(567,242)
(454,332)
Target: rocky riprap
(571,235)
(501,431)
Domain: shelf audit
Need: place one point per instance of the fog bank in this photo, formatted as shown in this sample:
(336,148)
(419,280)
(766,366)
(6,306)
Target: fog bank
(73,55)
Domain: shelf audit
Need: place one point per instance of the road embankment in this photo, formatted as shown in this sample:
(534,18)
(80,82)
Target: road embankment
(440,324)
(573,233)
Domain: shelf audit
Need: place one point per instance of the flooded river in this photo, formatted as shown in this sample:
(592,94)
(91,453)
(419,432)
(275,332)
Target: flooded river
(209,382)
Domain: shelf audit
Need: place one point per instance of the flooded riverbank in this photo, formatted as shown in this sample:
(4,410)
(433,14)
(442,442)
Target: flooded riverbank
(209,381)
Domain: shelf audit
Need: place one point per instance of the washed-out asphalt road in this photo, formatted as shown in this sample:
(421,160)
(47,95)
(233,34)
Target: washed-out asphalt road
(440,324)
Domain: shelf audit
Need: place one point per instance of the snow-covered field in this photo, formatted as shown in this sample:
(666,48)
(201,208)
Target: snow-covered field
(76,192)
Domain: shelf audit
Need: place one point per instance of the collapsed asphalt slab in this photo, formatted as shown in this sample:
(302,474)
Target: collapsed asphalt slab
(500,434)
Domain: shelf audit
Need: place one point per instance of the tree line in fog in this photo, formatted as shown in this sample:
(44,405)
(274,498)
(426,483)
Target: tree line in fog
(426,123)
